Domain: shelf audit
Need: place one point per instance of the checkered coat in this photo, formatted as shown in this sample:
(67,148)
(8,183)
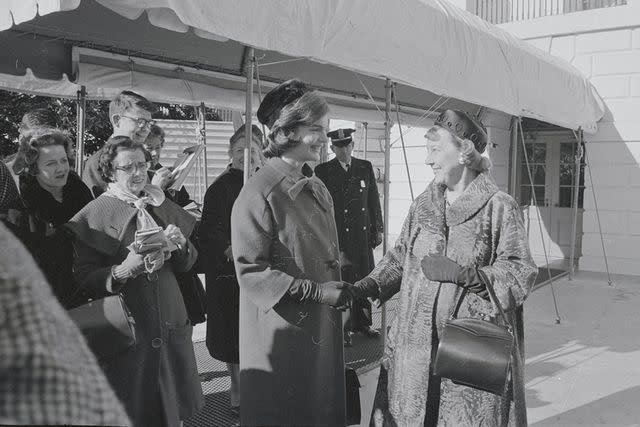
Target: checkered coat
(48,375)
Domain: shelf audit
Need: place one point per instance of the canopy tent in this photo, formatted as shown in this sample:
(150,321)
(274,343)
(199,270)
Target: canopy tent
(324,42)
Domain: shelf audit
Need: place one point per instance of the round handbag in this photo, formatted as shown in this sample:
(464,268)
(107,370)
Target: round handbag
(474,352)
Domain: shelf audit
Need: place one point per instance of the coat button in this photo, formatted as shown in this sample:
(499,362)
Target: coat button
(156,342)
(346,210)
(346,229)
(364,228)
(362,209)
(334,264)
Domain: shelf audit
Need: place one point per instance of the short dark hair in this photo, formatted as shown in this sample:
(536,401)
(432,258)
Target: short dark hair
(306,110)
(110,151)
(126,100)
(156,131)
(28,150)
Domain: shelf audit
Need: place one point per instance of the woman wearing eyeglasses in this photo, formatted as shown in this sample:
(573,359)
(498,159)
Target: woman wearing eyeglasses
(156,379)
(52,194)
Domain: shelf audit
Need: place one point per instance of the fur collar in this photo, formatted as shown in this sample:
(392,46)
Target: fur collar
(474,197)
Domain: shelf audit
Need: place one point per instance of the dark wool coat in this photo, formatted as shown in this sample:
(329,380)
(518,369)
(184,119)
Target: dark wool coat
(483,228)
(48,374)
(291,355)
(223,294)
(157,378)
(357,210)
(48,242)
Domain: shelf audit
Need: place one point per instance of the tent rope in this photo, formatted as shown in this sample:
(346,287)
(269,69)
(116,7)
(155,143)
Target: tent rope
(404,150)
(369,94)
(595,203)
(439,103)
(535,205)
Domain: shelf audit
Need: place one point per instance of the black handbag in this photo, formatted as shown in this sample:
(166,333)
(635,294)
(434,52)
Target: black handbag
(106,324)
(475,352)
(352,396)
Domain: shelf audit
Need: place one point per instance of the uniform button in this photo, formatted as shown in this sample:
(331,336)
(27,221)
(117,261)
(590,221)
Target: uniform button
(346,229)
(364,228)
(334,264)
(346,210)
(362,209)
(156,342)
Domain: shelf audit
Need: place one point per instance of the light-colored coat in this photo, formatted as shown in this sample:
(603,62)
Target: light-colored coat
(483,228)
(291,356)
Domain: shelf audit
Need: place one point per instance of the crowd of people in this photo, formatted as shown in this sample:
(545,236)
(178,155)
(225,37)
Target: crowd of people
(288,261)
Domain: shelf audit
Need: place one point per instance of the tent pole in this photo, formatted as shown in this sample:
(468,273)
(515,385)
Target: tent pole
(576,191)
(513,154)
(248,114)
(595,204)
(387,164)
(404,149)
(202,117)
(366,138)
(535,205)
(81,116)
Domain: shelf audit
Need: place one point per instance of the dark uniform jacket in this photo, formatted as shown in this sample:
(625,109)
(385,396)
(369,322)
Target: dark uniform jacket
(357,210)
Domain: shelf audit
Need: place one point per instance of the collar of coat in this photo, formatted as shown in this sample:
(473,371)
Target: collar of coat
(102,223)
(474,197)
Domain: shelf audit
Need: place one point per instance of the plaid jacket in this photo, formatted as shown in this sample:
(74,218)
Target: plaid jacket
(48,375)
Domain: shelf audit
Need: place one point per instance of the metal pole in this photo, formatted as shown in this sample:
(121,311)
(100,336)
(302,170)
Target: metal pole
(576,191)
(366,138)
(248,115)
(202,119)
(387,166)
(81,115)
(513,164)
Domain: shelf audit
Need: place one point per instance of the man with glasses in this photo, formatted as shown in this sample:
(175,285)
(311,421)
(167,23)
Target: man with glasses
(130,115)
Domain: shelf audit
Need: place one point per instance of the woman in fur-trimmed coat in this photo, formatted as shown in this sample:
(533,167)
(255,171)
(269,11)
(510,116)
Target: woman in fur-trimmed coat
(461,233)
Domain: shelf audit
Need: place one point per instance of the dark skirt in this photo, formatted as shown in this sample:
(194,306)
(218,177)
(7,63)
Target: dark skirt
(223,296)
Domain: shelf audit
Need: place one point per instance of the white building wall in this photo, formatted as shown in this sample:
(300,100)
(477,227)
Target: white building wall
(605,45)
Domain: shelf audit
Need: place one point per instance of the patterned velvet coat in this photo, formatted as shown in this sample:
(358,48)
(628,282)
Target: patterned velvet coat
(483,227)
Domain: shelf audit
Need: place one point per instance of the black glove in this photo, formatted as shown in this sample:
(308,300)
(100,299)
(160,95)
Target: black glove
(365,288)
(439,268)
(470,279)
(442,269)
(334,293)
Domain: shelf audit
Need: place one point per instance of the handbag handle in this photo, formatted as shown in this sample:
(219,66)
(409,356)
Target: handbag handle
(492,296)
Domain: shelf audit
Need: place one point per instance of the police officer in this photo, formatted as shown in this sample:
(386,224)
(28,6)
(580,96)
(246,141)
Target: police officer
(352,185)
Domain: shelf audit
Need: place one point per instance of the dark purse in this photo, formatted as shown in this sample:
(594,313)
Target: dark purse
(106,324)
(474,352)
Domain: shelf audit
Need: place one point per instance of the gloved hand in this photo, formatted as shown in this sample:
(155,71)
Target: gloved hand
(333,293)
(439,268)
(153,261)
(365,288)
(442,269)
(132,266)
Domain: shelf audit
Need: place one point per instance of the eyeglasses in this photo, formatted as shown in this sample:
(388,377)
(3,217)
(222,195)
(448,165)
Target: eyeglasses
(132,167)
(141,122)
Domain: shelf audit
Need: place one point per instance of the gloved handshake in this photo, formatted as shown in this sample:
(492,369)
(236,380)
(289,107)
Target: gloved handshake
(337,294)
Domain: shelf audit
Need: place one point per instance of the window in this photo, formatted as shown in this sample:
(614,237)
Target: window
(567,176)
(536,154)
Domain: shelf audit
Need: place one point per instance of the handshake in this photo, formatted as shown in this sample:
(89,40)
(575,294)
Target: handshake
(337,294)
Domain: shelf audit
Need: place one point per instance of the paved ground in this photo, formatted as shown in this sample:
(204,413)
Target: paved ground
(584,371)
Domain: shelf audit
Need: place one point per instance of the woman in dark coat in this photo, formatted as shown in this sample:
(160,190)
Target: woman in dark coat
(52,194)
(285,249)
(215,244)
(156,379)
